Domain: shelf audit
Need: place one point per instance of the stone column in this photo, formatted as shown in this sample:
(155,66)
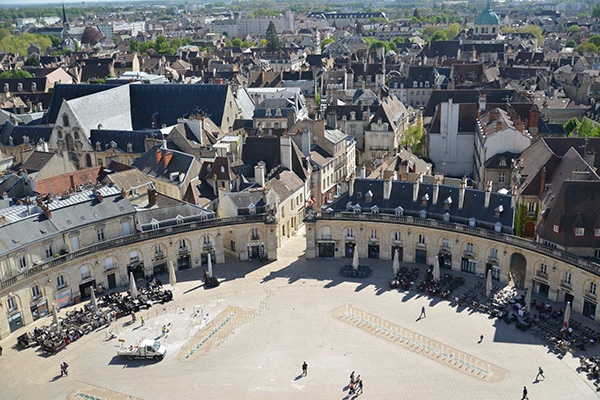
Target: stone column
(219,250)
(272,240)
(311,228)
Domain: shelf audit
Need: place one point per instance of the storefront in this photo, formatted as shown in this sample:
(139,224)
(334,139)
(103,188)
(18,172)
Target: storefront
(495,271)
(445,260)
(63,298)
(39,310)
(183,262)
(85,289)
(327,249)
(15,321)
(137,269)
(421,256)
(589,308)
(468,265)
(400,251)
(204,255)
(349,249)
(374,251)
(159,269)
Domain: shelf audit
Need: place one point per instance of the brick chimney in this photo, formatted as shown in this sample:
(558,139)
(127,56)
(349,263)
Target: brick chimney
(519,125)
(543,180)
(167,157)
(534,117)
(158,155)
(151,196)
(47,211)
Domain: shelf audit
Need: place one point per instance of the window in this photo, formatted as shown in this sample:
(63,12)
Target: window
(567,278)
(543,269)
(252,209)
(49,252)
(556,229)
(23,261)
(99,162)
(254,234)
(445,244)
(373,234)
(85,272)
(282,211)
(421,239)
(206,240)
(35,292)
(597,232)
(350,233)
(531,208)
(325,232)
(593,288)
(11,303)
(501,177)
(494,254)
(470,248)
(179,220)
(65,119)
(158,251)
(597,253)
(502,162)
(397,236)
(183,245)
(108,263)
(60,282)
(100,234)
(155,224)
(579,231)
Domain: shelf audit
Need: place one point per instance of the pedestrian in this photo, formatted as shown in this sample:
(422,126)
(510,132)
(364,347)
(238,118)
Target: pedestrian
(143,322)
(480,338)
(422,313)
(164,331)
(351,388)
(63,369)
(359,386)
(540,373)
(133,319)
(524,393)
(1,349)
(352,377)
(304,368)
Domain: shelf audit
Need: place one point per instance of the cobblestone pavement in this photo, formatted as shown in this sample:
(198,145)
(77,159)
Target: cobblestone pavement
(282,314)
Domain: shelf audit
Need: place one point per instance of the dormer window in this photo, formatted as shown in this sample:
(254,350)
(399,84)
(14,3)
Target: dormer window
(425,199)
(427,84)
(423,214)
(356,209)
(369,196)
(502,162)
(446,217)
(155,224)
(472,221)
(252,209)
(399,211)
(555,228)
(447,203)
(179,219)
(375,210)
(415,84)
(498,210)
(579,231)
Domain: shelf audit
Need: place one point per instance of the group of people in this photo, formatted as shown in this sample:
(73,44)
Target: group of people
(356,384)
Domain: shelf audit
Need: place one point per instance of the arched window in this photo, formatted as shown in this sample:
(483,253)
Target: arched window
(325,232)
(65,119)
(593,288)
(445,244)
(470,248)
(349,233)
(206,240)
(85,272)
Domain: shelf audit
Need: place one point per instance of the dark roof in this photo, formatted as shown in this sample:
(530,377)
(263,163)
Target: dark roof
(494,161)
(165,103)
(472,96)
(402,196)
(264,149)
(448,48)
(420,73)
(36,161)
(33,132)
(180,162)
(122,138)
(68,92)
(220,169)
(95,72)
(40,84)
(576,205)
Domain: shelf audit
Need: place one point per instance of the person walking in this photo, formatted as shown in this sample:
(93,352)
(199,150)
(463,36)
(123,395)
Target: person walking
(422,313)
(63,369)
(540,373)
(164,331)
(142,320)
(359,386)
(304,368)
(351,388)
(352,377)
(524,393)
(480,338)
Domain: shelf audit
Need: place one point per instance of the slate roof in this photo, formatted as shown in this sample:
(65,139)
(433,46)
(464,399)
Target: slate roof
(167,216)
(68,92)
(220,169)
(264,149)
(37,160)
(285,184)
(122,138)
(576,205)
(180,162)
(448,48)
(242,200)
(402,196)
(34,132)
(472,96)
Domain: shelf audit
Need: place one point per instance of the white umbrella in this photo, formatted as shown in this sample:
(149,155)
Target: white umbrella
(210,272)
(436,272)
(172,276)
(355,259)
(488,284)
(396,263)
(94,301)
(528,299)
(55,317)
(567,315)
(132,288)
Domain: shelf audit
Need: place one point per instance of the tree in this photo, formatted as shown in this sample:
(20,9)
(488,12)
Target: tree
(399,40)
(586,47)
(32,61)
(535,31)
(237,42)
(594,39)
(453,30)
(417,14)
(439,36)
(273,43)
(134,45)
(91,36)
(596,12)
(570,43)
(570,125)
(574,28)
(360,29)
(15,73)
(414,137)
(325,42)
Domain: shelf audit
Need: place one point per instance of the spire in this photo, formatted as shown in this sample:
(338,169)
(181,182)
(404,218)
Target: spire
(489,5)
(64,16)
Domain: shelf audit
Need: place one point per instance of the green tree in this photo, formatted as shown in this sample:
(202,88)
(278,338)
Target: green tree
(535,31)
(417,14)
(594,39)
(570,43)
(439,36)
(586,47)
(596,12)
(570,125)
(325,42)
(32,61)
(237,42)
(414,137)
(399,40)
(574,28)
(15,73)
(273,43)
(134,45)
(453,30)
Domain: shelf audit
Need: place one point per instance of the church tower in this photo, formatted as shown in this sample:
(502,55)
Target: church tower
(487,24)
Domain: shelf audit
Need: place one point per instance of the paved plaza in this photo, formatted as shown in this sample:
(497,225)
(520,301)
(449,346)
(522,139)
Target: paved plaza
(248,338)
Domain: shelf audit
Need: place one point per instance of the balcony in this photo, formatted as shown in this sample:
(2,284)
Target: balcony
(159,255)
(257,237)
(493,259)
(421,245)
(184,250)
(468,254)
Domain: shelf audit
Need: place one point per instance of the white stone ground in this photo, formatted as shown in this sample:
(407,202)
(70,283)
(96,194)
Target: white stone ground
(289,320)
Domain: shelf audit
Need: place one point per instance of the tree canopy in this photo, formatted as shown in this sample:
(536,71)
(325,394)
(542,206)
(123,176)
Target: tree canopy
(273,43)
(15,73)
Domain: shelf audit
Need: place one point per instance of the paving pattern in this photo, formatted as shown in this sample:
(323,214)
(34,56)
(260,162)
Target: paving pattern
(447,355)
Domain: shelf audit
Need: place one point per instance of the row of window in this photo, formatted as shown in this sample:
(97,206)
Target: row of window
(576,231)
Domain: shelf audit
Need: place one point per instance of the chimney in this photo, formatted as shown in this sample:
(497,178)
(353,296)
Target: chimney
(482,102)
(461,193)
(351,185)
(259,174)
(47,212)
(519,125)
(416,189)
(498,125)
(513,197)
(363,172)
(151,196)
(387,189)
(123,193)
(436,191)
(181,176)
(394,176)
(167,157)
(158,155)
(543,180)
(534,117)
(590,158)
(286,152)
(488,194)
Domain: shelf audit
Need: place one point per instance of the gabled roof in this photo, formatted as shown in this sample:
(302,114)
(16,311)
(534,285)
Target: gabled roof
(35,133)
(122,138)
(154,165)
(37,160)
(68,92)
(220,169)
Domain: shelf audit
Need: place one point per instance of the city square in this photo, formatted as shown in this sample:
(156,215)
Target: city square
(281,314)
